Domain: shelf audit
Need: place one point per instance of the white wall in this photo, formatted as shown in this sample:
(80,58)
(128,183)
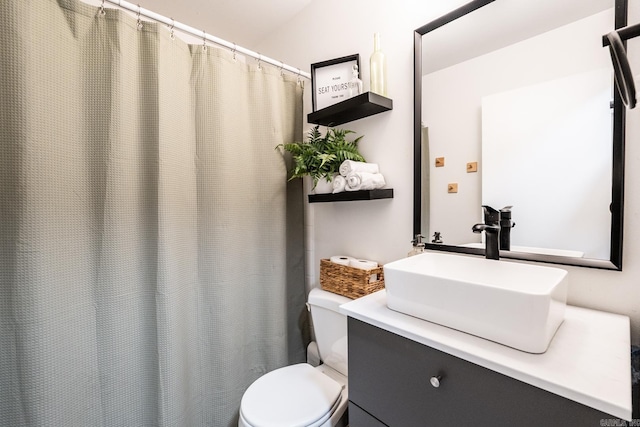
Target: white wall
(381,230)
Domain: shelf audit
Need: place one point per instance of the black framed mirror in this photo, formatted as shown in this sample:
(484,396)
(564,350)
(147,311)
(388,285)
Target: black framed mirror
(567,188)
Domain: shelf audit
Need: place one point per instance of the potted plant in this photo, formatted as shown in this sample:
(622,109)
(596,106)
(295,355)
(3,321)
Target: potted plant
(320,156)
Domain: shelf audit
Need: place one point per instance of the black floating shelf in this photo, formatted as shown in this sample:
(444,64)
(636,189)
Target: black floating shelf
(384,193)
(364,105)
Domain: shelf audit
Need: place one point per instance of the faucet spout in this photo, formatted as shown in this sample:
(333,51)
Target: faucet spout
(492,233)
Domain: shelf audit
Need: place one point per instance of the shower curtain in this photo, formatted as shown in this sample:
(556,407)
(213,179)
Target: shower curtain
(151,251)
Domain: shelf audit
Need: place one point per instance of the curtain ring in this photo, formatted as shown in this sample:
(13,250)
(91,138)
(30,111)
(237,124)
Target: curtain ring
(171,32)
(259,63)
(139,21)
(102,12)
(299,81)
(204,41)
(234,51)
(281,68)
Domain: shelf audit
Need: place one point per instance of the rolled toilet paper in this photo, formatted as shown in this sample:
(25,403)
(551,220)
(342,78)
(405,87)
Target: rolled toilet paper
(363,264)
(342,259)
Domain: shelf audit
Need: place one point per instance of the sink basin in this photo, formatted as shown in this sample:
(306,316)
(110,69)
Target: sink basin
(518,305)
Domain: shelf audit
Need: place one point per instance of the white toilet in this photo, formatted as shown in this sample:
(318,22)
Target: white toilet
(303,395)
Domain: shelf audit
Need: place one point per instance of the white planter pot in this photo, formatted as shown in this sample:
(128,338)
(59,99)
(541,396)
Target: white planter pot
(323,187)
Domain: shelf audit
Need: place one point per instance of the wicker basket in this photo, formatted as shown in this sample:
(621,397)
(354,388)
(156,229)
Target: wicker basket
(349,281)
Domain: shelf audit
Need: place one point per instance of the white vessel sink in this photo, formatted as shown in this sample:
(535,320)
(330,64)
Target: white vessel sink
(518,305)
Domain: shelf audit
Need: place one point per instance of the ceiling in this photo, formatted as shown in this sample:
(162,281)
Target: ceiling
(245,22)
(501,24)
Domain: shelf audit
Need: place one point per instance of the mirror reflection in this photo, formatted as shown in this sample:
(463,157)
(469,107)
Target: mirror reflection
(516,110)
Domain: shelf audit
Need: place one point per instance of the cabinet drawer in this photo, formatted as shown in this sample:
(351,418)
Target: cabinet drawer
(389,377)
(360,418)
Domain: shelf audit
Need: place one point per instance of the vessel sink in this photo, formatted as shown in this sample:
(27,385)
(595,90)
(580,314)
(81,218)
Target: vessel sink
(518,305)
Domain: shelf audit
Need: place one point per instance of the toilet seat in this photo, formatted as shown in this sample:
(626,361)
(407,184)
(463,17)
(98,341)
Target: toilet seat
(296,395)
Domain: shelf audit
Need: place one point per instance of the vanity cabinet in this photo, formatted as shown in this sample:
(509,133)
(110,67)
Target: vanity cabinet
(360,417)
(390,384)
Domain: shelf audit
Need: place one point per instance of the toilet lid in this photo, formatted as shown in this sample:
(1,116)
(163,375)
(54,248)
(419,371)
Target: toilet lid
(296,395)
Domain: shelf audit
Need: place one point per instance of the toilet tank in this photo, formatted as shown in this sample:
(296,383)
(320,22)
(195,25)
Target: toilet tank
(330,327)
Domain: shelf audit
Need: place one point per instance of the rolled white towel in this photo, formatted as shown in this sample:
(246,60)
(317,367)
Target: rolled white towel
(339,182)
(364,181)
(352,166)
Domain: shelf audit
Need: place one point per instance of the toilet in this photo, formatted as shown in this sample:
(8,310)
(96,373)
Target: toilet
(303,395)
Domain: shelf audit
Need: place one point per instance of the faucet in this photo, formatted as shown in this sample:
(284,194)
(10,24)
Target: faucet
(491,239)
(491,215)
(491,229)
(505,228)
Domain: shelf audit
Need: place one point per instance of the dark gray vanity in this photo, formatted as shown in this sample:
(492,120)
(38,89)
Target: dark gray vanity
(394,361)
(389,380)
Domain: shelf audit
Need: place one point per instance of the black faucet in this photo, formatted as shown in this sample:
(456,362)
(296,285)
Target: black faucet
(505,228)
(491,228)
(491,239)
(491,216)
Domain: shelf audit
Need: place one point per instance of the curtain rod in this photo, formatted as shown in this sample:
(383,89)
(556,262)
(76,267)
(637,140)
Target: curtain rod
(203,35)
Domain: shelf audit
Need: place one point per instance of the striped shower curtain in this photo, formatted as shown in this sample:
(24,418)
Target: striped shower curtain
(151,251)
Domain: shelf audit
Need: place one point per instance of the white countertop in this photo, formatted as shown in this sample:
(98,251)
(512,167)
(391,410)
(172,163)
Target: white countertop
(588,361)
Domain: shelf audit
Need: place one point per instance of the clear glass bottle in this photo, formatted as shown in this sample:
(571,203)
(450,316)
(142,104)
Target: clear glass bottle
(417,250)
(355,84)
(418,246)
(378,68)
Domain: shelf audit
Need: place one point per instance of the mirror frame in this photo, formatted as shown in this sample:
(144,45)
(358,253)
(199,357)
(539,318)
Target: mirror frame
(618,141)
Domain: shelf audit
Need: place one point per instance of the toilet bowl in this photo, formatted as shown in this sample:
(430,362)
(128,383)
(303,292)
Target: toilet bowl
(301,394)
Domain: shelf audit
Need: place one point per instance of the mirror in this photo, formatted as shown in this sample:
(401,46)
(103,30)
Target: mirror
(515,100)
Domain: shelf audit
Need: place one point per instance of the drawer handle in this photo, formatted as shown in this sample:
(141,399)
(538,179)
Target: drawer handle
(435,381)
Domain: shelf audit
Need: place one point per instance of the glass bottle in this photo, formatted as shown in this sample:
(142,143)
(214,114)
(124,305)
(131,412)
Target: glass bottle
(378,68)
(418,246)
(355,84)
(417,250)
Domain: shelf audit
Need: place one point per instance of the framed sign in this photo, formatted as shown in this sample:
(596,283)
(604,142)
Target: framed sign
(330,80)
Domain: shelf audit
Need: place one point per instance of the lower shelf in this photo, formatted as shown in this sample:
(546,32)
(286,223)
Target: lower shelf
(383,193)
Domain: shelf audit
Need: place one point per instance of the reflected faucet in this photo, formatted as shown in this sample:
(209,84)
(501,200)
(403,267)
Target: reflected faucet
(492,233)
(505,228)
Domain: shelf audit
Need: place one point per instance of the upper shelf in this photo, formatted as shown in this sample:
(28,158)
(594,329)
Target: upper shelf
(363,105)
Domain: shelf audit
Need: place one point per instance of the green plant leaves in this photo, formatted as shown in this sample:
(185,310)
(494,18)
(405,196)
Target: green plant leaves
(320,156)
